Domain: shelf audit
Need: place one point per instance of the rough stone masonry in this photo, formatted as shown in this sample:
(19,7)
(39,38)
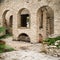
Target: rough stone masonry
(30,18)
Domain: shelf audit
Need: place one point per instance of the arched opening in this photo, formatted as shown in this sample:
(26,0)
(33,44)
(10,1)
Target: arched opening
(24,18)
(10,24)
(24,37)
(7,23)
(46,20)
(4,19)
(11,21)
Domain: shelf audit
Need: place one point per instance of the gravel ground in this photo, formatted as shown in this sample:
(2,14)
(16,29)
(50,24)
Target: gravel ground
(25,51)
(26,55)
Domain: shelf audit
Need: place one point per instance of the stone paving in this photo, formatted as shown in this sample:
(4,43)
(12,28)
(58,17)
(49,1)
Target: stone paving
(25,51)
(26,55)
(18,45)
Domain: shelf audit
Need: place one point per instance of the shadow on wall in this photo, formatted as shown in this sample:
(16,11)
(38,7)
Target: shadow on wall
(40,38)
(1,1)
(24,37)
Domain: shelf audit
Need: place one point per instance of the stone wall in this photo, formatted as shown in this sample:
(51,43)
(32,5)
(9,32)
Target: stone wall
(14,6)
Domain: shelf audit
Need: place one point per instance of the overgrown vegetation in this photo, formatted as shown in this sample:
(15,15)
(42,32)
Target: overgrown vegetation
(2,29)
(5,36)
(5,48)
(51,41)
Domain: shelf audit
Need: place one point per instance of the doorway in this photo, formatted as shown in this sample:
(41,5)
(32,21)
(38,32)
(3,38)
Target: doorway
(10,24)
(45,21)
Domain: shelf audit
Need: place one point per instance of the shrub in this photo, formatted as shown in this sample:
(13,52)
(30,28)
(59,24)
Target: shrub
(51,41)
(2,46)
(5,48)
(4,36)
(2,29)
(8,48)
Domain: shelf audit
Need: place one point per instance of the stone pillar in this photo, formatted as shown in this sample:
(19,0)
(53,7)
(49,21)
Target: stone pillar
(44,24)
(15,25)
(33,25)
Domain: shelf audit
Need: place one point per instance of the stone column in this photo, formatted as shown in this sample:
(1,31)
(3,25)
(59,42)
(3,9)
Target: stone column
(33,25)
(44,24)
(15,26)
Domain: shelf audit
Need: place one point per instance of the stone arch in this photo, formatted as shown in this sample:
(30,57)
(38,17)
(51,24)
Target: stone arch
(24,18)
(24,37)
(4,19)
(11,21)
(10,24)
(45,16)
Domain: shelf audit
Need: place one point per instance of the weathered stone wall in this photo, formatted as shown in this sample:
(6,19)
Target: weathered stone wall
(14,6)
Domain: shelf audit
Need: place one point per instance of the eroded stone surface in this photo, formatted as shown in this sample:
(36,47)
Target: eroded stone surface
(26,55)
(38,47)
(14,6)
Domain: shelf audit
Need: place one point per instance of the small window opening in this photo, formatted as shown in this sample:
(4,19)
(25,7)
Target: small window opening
(25,20)
(11,18)
(41,23)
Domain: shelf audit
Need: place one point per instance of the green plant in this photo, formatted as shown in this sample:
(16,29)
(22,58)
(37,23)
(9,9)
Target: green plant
(2,46)
(2,29)
(5,48)
(8,48)
(58,46)
(4,36)
(51,41)
(57,38)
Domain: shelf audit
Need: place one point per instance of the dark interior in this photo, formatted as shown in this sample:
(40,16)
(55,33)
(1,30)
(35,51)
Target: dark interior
(24,20)
(11,18)
(24,37)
